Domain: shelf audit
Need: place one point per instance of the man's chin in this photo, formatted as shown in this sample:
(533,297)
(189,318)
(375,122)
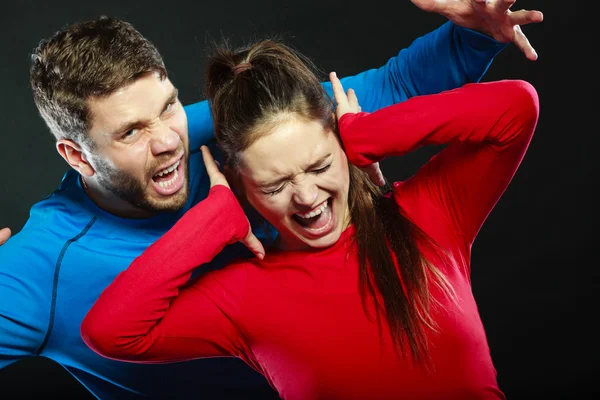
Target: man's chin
(153,203)
(174,203)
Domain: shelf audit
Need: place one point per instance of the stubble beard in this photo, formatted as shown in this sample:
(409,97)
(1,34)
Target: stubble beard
(129,189)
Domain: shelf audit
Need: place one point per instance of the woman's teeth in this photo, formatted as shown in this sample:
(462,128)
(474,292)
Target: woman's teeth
(314,213)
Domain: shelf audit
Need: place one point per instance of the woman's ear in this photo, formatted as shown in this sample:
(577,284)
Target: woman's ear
(239,190)
(334,125)
(235,183)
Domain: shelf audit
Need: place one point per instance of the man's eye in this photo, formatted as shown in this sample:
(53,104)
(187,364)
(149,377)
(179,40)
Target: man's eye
(129,133)
(170,106)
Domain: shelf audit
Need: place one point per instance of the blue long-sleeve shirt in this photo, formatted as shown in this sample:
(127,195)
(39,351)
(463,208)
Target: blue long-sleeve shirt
(69,250)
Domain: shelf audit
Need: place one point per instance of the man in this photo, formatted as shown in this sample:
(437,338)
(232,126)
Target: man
(104,92)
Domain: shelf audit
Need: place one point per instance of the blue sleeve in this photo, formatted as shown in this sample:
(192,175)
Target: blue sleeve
(444,59)
(25,296)
(200,127)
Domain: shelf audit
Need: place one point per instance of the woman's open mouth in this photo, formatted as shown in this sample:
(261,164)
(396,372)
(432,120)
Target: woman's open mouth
(317,222)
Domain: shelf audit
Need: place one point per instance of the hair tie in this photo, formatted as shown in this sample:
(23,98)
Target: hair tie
(241,68)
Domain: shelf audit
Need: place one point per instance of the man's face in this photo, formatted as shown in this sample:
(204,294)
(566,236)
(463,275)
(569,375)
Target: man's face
(141,144)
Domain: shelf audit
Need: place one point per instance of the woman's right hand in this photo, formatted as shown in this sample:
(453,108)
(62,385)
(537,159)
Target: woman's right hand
(217,178)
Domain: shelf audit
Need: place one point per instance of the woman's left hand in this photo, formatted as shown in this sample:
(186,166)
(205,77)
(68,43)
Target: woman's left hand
(348,103)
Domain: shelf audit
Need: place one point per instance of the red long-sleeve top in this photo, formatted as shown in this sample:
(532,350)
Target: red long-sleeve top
(297,317)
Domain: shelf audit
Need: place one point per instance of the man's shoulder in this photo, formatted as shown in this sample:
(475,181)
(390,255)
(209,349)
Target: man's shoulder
(65,204)
(53,220)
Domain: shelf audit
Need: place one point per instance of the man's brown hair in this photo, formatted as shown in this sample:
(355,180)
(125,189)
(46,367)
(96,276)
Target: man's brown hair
(85,60)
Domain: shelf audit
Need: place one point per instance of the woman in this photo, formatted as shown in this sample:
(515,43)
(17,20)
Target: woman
(363,295)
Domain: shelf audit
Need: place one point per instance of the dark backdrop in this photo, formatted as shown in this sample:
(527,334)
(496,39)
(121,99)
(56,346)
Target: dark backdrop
(534,274)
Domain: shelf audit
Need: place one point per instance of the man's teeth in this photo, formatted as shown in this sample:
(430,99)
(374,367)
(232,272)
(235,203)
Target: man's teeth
(169,170)
(314,213)
(164,184)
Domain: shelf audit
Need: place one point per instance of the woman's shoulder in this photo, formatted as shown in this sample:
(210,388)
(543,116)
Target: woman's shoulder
(417,201)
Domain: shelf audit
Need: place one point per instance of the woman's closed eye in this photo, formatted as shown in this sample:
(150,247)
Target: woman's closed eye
(278,190)
(314,171)
(321,170)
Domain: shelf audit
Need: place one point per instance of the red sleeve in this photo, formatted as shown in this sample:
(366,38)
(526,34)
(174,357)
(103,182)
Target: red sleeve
(487,126)
(148,315)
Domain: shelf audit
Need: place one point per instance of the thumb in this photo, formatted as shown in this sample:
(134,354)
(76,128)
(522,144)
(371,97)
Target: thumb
(376,175)
(254,245)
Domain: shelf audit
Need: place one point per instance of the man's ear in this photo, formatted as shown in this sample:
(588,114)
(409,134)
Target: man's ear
(74,156)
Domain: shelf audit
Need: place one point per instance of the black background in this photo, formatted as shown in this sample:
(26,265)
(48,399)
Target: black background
(534,272)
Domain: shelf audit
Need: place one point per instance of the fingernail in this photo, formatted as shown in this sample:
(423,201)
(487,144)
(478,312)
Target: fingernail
(260,256)
(334,74)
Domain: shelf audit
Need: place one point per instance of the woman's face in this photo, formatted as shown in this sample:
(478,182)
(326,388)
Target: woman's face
(296,176)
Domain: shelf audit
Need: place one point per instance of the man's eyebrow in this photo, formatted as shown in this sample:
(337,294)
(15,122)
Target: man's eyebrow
(171,98)
(127,126)
(280,180)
